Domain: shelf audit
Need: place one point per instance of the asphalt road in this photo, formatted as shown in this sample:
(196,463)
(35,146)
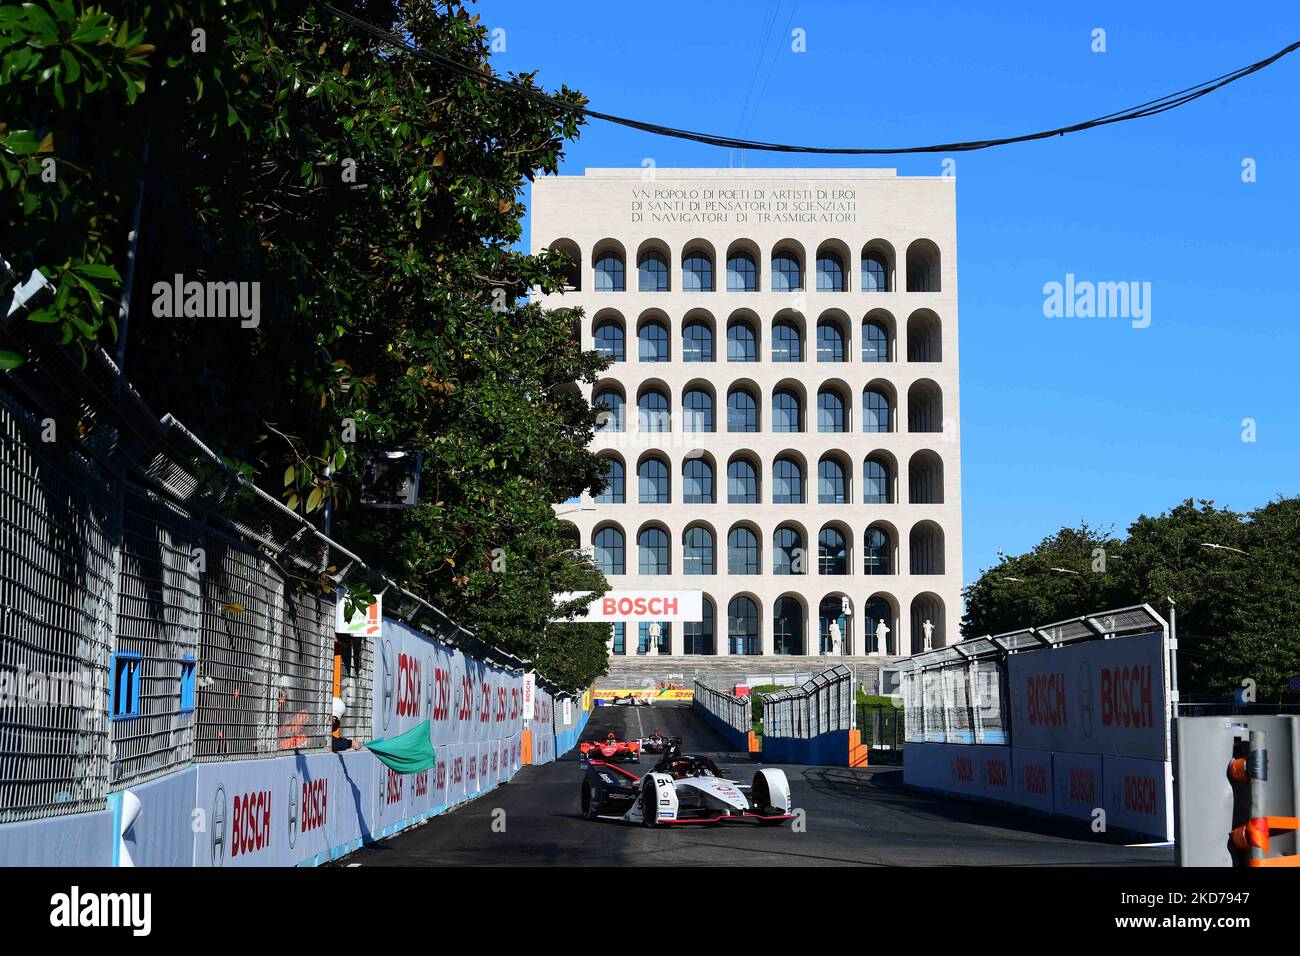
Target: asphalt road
(853,817)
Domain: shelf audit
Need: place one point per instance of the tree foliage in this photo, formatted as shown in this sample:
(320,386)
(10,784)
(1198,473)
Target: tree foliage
(376,201)
(1238,605)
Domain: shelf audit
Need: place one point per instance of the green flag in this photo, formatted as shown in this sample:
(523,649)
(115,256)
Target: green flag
(410,752)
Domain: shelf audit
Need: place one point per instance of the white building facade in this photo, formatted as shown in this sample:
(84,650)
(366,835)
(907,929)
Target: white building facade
(780,420)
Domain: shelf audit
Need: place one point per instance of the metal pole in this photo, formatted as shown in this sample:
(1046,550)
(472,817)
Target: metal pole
(1257,772)
(1173,659)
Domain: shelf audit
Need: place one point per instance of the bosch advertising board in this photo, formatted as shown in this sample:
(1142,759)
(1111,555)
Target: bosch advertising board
(1096,697)
(642,606)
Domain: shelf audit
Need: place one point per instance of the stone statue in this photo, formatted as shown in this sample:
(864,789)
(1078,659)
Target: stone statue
(928,628)
(882,638)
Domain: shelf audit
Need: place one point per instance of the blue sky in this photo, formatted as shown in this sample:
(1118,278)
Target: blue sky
(1063,419)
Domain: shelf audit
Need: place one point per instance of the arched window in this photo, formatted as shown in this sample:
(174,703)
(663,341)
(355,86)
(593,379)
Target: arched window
(925,479)
(787,416)
(620,638)
(875,273)
(786,276)
(609,272)
(742,552)
(875,411)
(786,343)
(697,342)
(653,273)
(697,273)
(877,552)
(925,548)
(698,411)
(830,341)
(787,482)
(830,273)
(665,637)
(787,552)
(654,342)
(742,274)
(615,490)
(831,486)
(831,618)
(609,340)
(832,555)
(787,626)
(609,411)
(609,550)
(652,475)
(653,411)
(742,411)
(697,636)
(697,551)
(922,266)
(875,342)
(742,345)
(655,557)
(877,488)
(697,482)
(742,626)
(830,411)
(742,483)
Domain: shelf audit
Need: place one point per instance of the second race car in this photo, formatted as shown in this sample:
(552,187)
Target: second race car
(611,749)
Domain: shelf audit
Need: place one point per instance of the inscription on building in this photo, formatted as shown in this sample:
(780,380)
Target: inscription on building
(740,205)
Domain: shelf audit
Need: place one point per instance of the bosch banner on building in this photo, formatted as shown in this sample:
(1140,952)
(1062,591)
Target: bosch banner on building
(638,606)
(1096,697)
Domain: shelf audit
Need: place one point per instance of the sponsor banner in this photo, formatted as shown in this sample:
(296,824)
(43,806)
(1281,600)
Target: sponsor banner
(637,606)
(966,769)
(530,695)
(1139,795)
(369,623)
(1097,697)
(1077,784)
(1031,778)
(644,694)
(283,811)
(994,767)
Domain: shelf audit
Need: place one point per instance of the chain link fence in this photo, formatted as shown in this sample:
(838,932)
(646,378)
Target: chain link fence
(156,609)
(734,712)
(823,704)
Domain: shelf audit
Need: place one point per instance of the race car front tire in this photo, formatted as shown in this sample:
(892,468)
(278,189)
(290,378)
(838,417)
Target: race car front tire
(590,809)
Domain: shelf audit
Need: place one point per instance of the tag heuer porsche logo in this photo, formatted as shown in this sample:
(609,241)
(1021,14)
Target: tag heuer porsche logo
(217,826)
(385,654)
(293,810)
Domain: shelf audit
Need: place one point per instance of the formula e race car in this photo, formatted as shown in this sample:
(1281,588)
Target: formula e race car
(629,700)
(683,789)
(657,743)
(610,749)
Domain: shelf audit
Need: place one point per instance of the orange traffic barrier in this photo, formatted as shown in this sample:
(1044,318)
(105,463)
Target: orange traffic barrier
(857,749)
(754,745)
(526,749)
(1255,833)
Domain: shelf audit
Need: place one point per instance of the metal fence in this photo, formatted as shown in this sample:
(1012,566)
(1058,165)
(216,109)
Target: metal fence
(735,712)
(958,694)
(881,726)
(156,609)
(823,704)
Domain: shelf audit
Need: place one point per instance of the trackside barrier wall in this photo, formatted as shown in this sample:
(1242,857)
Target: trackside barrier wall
(133,561)
(731,716)
(811,724)
(571,715)
(1067,720)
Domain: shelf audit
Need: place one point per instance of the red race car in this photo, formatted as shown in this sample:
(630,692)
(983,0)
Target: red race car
(611,750)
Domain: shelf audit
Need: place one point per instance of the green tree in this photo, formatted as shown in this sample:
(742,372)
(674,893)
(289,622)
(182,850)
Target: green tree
(1238,604)
(375,198)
